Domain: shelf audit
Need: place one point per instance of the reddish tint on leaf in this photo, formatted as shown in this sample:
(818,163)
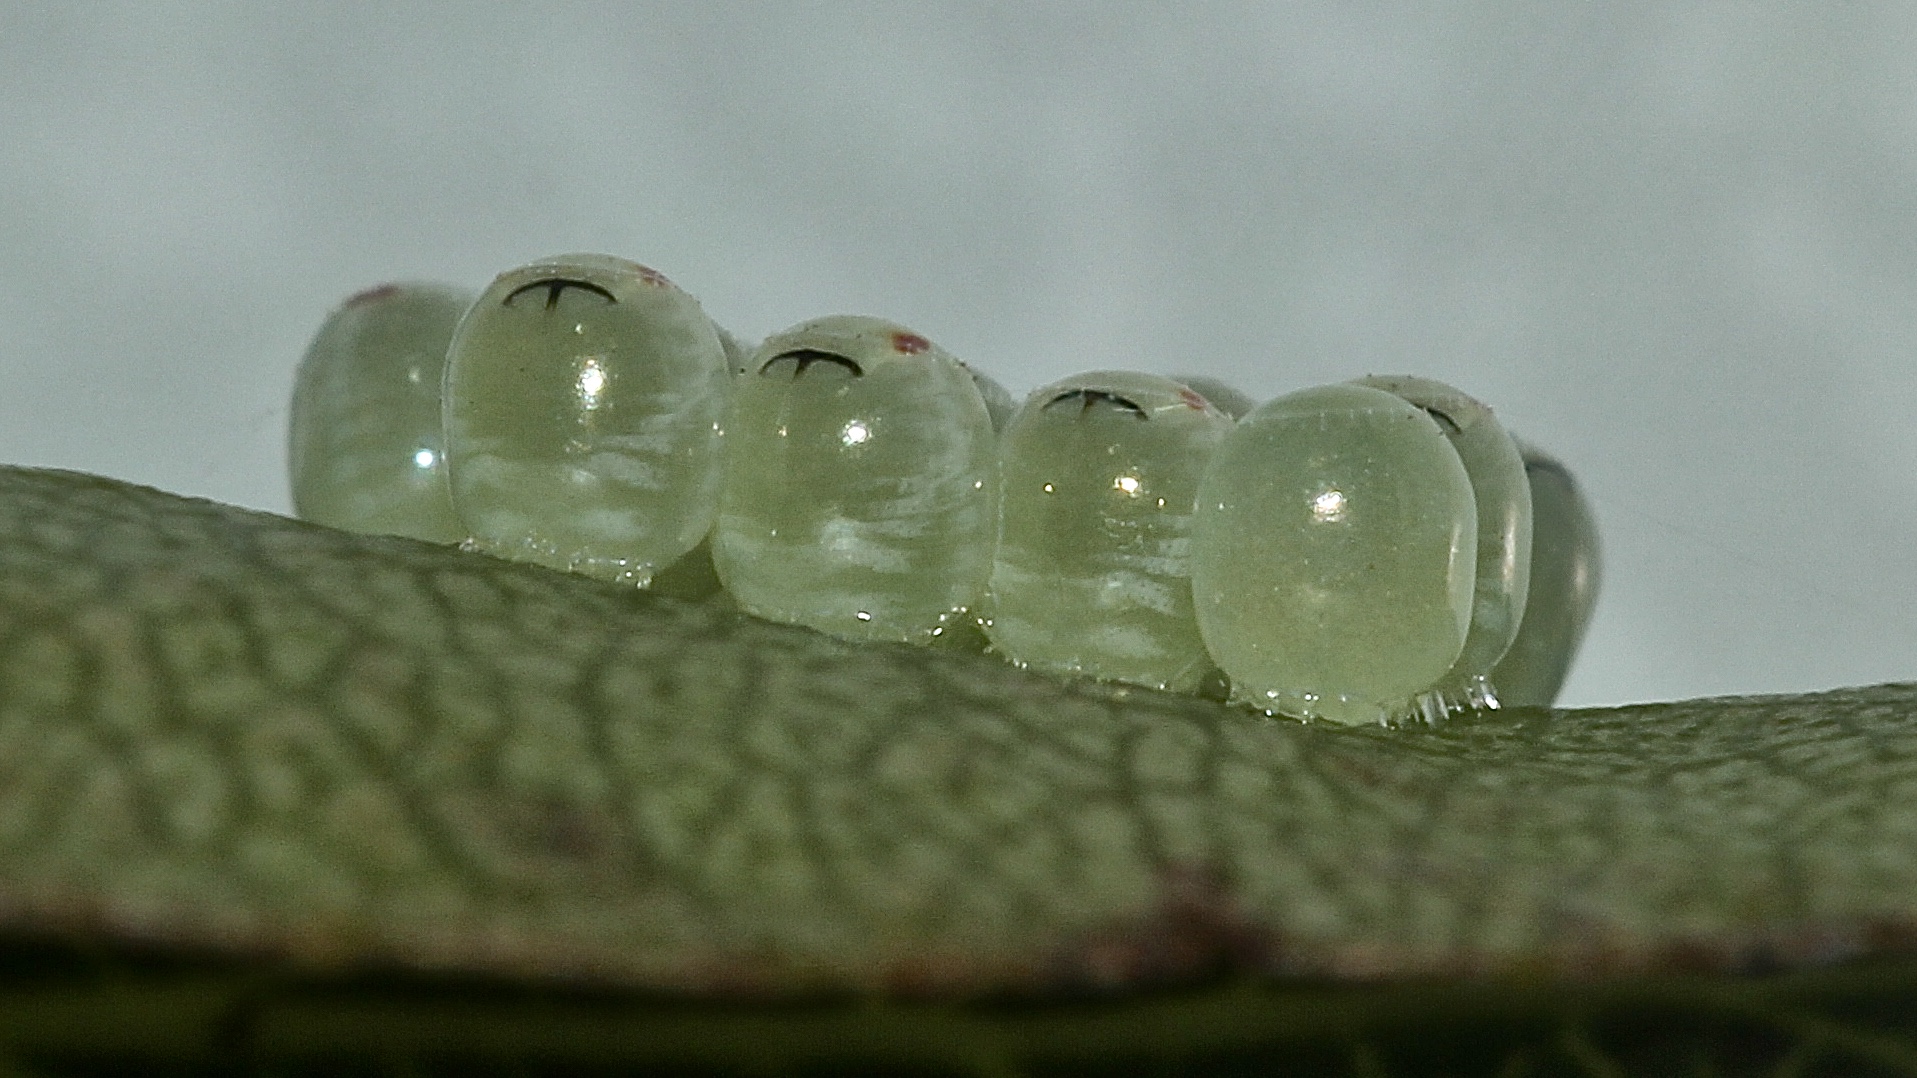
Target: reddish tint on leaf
(1195,927)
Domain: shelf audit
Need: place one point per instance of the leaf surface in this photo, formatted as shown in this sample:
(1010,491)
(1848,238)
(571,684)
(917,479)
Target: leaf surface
(250,744)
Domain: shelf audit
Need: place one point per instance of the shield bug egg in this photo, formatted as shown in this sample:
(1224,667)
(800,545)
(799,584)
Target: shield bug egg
(1333,554)
(999,404)
(1565,572)
(860,483)
(364,447)
(738,352)
(1503,498)
(1091,572)
(584,407)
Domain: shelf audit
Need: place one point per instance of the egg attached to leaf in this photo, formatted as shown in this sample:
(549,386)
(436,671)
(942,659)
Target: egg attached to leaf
(585,407)
(860,484)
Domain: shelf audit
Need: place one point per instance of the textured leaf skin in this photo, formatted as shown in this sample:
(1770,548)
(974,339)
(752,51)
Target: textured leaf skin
(271,792)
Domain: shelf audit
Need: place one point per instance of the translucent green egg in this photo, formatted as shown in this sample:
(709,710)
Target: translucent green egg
(1092,571)
(364,447)
(1334,554)
(738,353)
(860,484)
(1566,568)
(998,400)
(585,405)
(1503,496)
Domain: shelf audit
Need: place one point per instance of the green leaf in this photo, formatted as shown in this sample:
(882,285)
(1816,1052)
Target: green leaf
(273,794)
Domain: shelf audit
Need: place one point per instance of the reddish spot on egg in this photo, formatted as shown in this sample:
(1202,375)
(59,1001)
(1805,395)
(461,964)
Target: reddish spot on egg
(373,295)
(1194,400)
(910,344)
(653,277)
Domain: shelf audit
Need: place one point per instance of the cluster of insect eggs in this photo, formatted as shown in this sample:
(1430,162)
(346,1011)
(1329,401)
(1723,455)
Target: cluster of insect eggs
(1356,552)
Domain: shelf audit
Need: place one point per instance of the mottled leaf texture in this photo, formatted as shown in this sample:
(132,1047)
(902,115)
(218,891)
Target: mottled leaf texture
(280,799)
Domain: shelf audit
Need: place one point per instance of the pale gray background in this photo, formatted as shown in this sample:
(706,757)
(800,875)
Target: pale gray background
(1674,242)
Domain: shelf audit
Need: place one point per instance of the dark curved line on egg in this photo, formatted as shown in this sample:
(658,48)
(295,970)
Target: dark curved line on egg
(806,357)
(554,286)
(1089,397)
(1444,419)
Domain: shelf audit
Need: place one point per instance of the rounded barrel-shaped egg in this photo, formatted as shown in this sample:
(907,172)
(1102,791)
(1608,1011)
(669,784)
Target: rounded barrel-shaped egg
(1566,567)
(999,404)
(585,406)
(738,353)
(1503,497)
(1333,554)
(364,447)
(1098,477)
(860,484)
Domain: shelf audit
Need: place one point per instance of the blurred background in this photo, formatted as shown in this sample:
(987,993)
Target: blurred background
(1675,243)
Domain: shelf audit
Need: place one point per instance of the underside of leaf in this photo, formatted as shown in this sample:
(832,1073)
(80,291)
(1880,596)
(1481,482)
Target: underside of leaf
(259,751)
